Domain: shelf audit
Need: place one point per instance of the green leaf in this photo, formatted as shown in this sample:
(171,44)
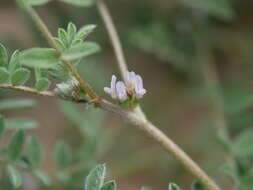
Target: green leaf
(110,185)
(21,123)
(14,104)
(34,152)
(197,186)
(173,186)
(39,57)
(3,56)
(63,36)
(2,126)
(43,177)
(16,144)
(95,179)
(14,62)
(59,43)
(20,76)
(243,144)
(81,50)
(42,84)
(80,3)
(15,176)
(62,155)
(85,31)
(37,2)
(4,75)
(23,4)
(71,32)
(60,72)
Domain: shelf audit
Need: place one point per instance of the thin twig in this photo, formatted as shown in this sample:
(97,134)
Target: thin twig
(29,90)
(138,117)
(114,37)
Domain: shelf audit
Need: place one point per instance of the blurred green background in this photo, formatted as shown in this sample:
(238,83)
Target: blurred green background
(196,60)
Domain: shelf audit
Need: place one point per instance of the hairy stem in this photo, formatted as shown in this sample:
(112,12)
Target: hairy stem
(105,14)
(28,90)
(138,117)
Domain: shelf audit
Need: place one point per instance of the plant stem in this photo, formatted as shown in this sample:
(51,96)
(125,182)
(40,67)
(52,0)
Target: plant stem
(29,90)
(112,32)
(138,117)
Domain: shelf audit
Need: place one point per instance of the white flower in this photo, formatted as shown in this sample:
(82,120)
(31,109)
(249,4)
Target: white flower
(135,82)
(121,91)
(117,89)
(112,90)
(132,89)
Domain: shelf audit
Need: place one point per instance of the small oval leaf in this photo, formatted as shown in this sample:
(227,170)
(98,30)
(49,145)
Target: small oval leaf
(16,144)
(20,76)
(43,177)
(42,84)
(34,152)
(173,186)
(81,50)
(39,57)
(95,179)
(15,176)
(4,75)
(20,123)
(110,185)
(85,31)
(3,56)
(62,155)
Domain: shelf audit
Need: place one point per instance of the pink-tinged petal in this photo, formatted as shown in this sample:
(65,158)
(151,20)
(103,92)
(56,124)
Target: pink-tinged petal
(113,82)
(107,90)
(128,76)
(121,91)
(113,86)
(139,82)
(132,78)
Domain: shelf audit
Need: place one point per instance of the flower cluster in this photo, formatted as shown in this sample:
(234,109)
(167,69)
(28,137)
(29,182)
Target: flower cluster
(130,91)
(69,90)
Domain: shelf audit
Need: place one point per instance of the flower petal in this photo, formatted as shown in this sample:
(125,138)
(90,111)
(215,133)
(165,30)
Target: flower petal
(107,90)
(121,91)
